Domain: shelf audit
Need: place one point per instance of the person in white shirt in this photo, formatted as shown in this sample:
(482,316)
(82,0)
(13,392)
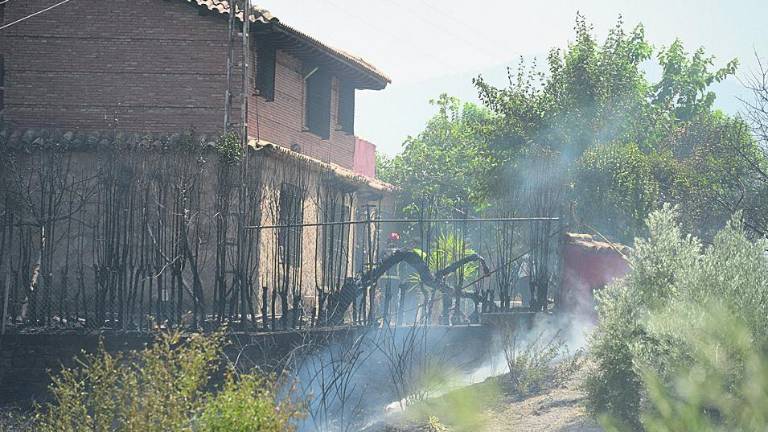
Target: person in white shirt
(523,286)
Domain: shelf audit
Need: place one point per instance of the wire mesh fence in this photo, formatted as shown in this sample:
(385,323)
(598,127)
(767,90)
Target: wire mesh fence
(130,238)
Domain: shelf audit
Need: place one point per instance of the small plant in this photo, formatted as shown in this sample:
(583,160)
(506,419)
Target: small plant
(229,148)
(569,365)
(434,425)
(245,404)
(531,361)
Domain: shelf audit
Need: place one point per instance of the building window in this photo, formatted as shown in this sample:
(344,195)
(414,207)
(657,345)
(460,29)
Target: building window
(337,236)
(266,65)
(291,213)
(346,114)
(317,102)
(335,256)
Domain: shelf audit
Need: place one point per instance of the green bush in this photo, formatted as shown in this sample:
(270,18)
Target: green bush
(165,387)
(652,322)
(245,404)
(724,387)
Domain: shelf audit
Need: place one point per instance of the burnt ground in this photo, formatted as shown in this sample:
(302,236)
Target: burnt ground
(489,406)
(493,406)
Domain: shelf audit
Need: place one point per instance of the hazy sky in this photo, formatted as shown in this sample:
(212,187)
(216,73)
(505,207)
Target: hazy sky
(429,47)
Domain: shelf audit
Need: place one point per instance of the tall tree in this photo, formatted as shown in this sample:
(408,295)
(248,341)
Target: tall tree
(446,166)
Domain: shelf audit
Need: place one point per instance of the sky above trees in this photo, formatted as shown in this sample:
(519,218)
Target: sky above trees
(433,46)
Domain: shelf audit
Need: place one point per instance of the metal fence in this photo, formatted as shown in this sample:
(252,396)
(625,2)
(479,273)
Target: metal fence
(140,240)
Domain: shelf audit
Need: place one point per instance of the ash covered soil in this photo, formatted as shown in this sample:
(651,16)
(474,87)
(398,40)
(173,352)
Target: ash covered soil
(494,406)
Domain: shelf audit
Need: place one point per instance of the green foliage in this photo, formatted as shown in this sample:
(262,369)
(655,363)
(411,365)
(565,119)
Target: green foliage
(229,148)
(627,144)
(617,188)
(681,305)
(683,89)
(447,249)
(623,144)
(592,94)
(446,164)
(706,394)
(246,403)
(162,388)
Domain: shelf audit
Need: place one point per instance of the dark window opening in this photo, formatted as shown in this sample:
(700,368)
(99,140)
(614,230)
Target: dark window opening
(317,103)
(2,13)
(336,243)
(266,65)
(346,114)
(289,238)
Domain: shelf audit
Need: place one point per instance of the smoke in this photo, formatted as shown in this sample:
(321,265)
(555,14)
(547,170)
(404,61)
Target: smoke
(348,381)
(363,376)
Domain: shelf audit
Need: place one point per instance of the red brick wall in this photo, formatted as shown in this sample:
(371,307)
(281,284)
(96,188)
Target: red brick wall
(282,120)
(154,65)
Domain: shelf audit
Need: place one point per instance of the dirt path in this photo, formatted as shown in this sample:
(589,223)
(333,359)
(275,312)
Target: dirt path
(488,407)
(558,410)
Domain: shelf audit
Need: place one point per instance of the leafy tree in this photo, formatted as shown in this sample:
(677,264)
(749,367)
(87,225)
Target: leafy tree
(620,144)
(618,188)
(684,86)
(592,94)
(626,144)
(446,165)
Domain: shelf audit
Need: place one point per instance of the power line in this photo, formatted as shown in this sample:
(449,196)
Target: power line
(34,14)
(447,29)
(397,37)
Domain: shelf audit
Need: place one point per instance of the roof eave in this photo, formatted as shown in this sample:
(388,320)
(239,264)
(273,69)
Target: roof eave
(374,80)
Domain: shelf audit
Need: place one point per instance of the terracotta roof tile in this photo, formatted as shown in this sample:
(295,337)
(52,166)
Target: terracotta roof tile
(29,140)
(222,7)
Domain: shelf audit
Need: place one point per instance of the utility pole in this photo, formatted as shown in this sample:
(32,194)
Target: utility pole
(242,235)
(230,65)
(242,9)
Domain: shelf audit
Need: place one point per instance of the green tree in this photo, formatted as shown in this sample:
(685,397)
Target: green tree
(620,144)
(446,165)
(626,144)
(684,86)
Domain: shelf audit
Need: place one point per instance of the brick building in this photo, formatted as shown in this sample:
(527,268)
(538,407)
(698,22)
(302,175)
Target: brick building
(99,101)
(160,66)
